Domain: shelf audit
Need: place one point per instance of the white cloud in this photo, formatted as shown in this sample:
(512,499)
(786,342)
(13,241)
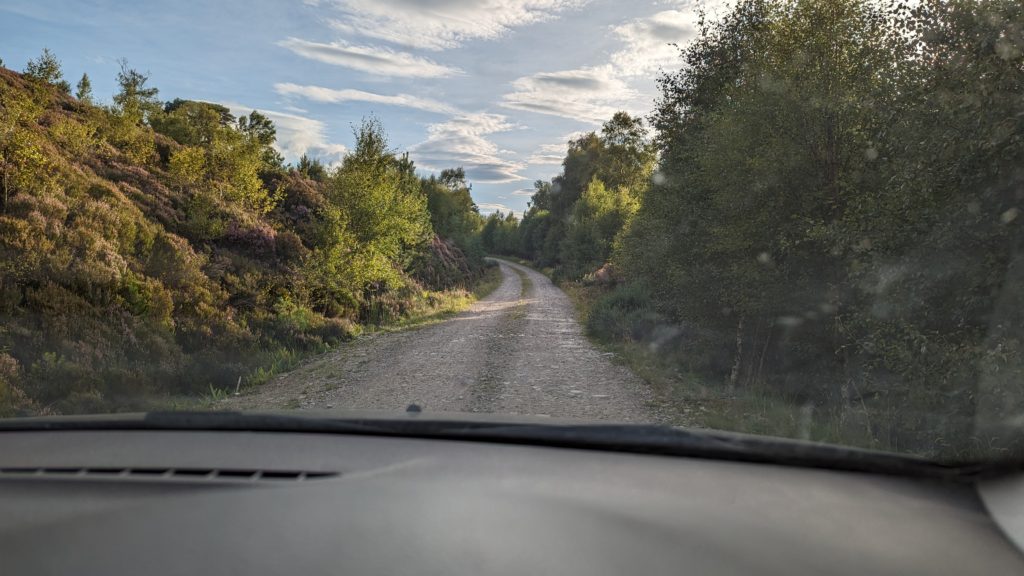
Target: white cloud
(553,153)
(548,154)
(649,41)
(593,94)
(297,135)
(330,95)
(490,208)
(524,192)
(375,60)
(441,24)
(461,142)
(587,94)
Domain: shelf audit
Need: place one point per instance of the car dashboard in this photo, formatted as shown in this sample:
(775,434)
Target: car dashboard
(244,502)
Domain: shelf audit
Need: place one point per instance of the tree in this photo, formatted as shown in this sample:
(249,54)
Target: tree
(628,156)
(829,172)
(188,166)
(257,128)
(260,131)
(46,68)
(500,233)
(598,217)
(235,163)
(134,100)
(312,168)
(230,153)
(192,123)
(84,89)
(454,178)
(453,214)
(134,105)
(621,158)
(378,211)
(764,136)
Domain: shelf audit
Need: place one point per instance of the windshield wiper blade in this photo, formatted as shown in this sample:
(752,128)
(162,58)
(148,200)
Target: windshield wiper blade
(638,439)
(670,441)
(186,420)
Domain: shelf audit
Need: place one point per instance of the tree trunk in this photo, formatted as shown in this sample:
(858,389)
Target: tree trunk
(735,374)
(764,352)
(750,362)
(7,192)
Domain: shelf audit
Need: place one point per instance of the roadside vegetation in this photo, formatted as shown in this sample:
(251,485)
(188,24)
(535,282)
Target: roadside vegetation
(817,231)
(157,250)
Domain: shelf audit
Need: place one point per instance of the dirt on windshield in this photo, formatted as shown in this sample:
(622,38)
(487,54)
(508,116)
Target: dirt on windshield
(518,351)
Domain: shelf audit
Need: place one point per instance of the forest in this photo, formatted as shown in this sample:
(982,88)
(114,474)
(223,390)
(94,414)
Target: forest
(153,252)
(816,232)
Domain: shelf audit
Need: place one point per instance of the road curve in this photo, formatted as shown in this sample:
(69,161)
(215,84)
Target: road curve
(518,351)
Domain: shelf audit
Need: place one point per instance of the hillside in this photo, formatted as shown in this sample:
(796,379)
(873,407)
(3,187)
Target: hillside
(153,250)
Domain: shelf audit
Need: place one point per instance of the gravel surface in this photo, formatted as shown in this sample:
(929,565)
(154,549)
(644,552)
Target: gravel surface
(519,351)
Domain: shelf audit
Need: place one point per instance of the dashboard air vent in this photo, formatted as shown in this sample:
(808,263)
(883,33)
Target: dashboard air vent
(193,474)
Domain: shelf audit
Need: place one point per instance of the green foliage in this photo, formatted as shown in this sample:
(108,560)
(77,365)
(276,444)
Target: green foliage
(386,214)
(23,162)
(47,69)
(83,90)
(833,221)
(134,103)
(624,314)
(446,265)
(188,165)
(259,132)
(453,214)
(78,137)
(150,251)
(312,168)
(236,165)
(574,219)
(231,155)
(192,123)
(500,233)
(13,400)
(597,218)
(134,100)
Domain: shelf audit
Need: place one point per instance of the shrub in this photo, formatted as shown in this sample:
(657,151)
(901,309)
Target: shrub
(76,138)
(188,166)
(12,399)
(625,313)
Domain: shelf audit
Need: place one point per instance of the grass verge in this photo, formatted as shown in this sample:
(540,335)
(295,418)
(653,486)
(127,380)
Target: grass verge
(431,307)
(525,288)
(434,307)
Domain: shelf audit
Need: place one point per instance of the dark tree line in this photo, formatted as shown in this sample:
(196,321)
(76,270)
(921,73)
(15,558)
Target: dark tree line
(832,222)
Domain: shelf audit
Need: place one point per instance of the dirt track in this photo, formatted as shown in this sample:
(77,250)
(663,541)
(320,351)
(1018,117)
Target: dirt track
(518,351)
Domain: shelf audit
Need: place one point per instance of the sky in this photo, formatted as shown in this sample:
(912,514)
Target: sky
(495,86)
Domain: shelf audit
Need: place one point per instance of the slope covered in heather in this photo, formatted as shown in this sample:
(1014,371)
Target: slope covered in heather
(151,250)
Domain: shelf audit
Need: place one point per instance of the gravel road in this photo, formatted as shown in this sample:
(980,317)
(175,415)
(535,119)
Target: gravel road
(518,351)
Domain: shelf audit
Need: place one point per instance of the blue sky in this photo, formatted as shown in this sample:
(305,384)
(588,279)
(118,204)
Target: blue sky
(495,86)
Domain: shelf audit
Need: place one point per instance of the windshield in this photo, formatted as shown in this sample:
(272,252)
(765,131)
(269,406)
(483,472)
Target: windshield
(793,218)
